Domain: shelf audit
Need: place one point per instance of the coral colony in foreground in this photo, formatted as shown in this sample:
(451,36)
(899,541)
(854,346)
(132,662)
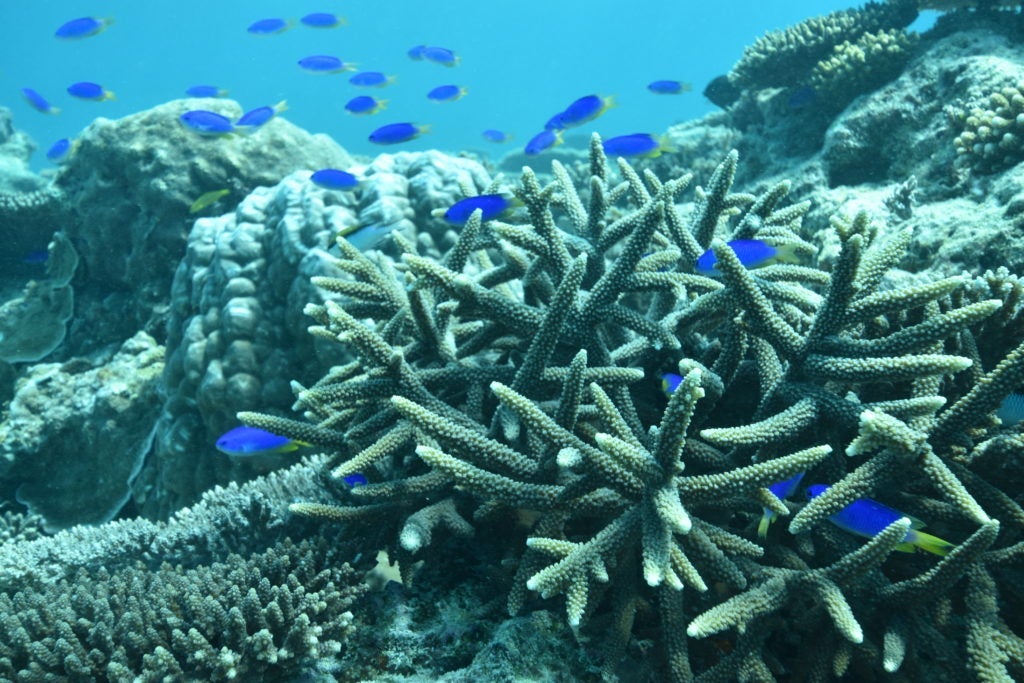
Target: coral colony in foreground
(508,387)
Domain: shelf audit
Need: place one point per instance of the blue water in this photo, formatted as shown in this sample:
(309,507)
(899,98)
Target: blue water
(522,61)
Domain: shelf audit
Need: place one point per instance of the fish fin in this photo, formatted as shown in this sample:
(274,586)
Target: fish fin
(766,521)
(425,128)
(928,543)
(786,253)
(608,103)
(281,106)
(380,106)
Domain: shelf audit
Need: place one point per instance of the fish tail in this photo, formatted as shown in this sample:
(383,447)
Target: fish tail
(929,543)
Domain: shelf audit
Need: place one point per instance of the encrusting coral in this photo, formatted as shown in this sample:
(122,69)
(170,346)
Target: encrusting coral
(510,382)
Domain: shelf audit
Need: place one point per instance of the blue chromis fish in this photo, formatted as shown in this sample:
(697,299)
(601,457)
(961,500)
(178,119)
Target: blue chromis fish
(38,102)
(543,141)
(85,90)
(206,91)
(490,205)
(497,136)
(670,381)
(334,179)
(782,491)
(82,27)
(440,55)
(254,118)
(60,150)
(636,145)
(207,199)
(585,109)
(322,20)
(355,479)
(371,79)
(446,93)
(867,518)
(364,105)
(269,27)
(751,253)
(416,52)
(555,123)
(324,64)
(252,441)
(394,133)
(669,87)
(207,122)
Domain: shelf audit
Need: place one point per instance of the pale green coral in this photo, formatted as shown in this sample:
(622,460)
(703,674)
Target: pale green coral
(514,377)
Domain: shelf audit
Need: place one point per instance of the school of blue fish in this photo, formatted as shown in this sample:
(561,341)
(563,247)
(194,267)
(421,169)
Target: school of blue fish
(578,112)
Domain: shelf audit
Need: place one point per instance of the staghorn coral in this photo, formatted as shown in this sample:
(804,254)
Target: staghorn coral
(514,376)
(236,337)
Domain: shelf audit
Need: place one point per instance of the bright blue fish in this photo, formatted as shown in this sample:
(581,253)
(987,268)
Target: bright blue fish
(355,479)
(635,145)
(394,133)
(364,105)
(782,491)
(585,109)
(334,179)
(440,55)
(38,102)
(253,441)
(85,90)
(543,141)
(206,91)
(207,122)
(60,150)
(669,87)
(371,79)
(555,123)
(325,64)
(254,118)
(416,52)
(446,93)
(492,135)
(490,205)
(867,518)
(268,27)
(82,28)
(670,381)
(322,20)
(751,253)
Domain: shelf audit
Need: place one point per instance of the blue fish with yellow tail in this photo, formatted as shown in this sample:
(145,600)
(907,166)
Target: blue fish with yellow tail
(491,206)
(751,253)
(781,490)
(83,27)
(249,442)
(670,381)
(636,145)
(867,518)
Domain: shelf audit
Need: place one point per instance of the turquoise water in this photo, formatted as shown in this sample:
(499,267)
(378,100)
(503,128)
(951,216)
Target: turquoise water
(522,61)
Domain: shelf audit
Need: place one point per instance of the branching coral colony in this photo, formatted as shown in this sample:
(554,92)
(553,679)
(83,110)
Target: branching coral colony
(516,378)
